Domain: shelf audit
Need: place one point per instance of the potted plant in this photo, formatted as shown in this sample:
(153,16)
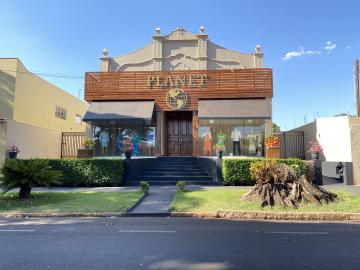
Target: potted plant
(272,147)
(315,150)
(13,150)
(128,149)
(87,151)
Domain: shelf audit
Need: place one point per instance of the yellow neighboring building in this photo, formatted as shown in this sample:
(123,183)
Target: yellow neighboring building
(34,112)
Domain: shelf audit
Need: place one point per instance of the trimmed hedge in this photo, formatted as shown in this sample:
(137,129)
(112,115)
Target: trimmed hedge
(236,171)
(87,172)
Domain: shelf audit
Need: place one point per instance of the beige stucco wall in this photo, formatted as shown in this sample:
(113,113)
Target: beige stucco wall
(34,141)
(7,96)
(333,134)
(181,50)
(28,104)
(36,100)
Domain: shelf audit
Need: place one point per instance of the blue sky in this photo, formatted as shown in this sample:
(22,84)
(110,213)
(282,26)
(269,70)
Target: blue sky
(320,38)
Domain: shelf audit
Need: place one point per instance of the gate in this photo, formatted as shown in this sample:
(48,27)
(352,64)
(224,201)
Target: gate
(291,144)
(70,143)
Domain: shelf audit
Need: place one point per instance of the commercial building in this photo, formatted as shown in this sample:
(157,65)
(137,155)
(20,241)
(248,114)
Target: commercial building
(180,95)
(34,112)
(339,137)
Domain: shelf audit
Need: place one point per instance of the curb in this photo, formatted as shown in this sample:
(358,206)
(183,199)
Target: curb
(253,215)
(137,203)
(167,214)
(73,214)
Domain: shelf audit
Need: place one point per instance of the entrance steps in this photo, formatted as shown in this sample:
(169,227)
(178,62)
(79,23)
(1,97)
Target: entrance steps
(170,170)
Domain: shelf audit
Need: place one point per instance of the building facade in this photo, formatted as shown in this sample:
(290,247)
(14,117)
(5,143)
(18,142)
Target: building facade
(181,95)
(34,112)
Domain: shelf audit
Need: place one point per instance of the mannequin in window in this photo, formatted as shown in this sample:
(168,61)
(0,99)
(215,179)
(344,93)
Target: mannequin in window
(136,141)
(104,141)
(220,141)
(120,142)
(259,147)
(207,143)
(236,137)
(252,142)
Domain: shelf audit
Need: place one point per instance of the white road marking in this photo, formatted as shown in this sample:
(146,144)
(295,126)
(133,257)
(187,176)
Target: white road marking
(144,231)
(17,230)
(303,233)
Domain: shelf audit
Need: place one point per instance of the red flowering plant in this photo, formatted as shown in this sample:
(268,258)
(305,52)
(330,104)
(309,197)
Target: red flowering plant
(315,148)
(272,142)
(14,148)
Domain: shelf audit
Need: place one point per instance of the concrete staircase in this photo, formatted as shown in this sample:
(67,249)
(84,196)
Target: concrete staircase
(170,170)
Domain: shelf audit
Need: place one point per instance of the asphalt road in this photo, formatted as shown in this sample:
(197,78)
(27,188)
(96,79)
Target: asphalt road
(175,243)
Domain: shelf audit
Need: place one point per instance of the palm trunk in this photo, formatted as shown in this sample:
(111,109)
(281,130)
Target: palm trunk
(24,193)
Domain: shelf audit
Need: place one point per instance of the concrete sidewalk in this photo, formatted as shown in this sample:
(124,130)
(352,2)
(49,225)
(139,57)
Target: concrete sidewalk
(157,202)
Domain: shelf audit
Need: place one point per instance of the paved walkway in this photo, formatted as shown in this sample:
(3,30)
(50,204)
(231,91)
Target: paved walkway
(158,201)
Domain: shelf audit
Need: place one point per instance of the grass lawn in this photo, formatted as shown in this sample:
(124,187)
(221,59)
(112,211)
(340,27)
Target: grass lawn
(225,199)
(65,202)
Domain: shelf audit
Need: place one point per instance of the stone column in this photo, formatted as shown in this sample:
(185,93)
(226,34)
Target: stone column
(202,49)
(195,133)
(258,57)
(157,50)
(105,61)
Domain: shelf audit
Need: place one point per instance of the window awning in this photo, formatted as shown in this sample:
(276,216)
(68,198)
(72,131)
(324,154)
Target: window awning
(235,108)
(119,110)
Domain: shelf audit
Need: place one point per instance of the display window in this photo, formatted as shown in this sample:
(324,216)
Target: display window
(234,137)
(112,137)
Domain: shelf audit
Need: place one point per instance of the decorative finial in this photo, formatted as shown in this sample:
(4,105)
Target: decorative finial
(202,29)
(105,52)
(158,30)
(258,48)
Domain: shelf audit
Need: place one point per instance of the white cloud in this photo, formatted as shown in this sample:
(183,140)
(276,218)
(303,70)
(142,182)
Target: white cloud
(299,53)
(329,46)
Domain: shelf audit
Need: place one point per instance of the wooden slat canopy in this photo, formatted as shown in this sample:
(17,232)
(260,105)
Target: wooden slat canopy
(218,84)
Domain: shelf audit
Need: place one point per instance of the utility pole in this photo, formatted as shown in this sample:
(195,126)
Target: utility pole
(356,87)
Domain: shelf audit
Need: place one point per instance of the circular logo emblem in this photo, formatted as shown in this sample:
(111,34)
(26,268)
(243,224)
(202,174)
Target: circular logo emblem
(176,98)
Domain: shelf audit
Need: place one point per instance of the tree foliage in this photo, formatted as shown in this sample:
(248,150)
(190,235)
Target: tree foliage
(25,174)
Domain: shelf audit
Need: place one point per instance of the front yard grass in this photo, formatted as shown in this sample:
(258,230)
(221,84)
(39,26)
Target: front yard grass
(225,199)
(69,202)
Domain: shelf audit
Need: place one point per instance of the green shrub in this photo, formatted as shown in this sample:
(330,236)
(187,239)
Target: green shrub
(270,171)
(144,187)
(26,174)
(181,185)
(88,172)
(236,171)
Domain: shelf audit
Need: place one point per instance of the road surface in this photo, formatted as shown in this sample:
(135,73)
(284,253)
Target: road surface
(176,243)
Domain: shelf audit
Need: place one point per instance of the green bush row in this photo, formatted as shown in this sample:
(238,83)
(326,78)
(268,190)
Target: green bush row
(236,172)
(87,172)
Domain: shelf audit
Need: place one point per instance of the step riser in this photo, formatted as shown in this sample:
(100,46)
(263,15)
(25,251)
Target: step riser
(175,178)
(170,170)
(176,167)
(173,183)
(185,174)
(173,170)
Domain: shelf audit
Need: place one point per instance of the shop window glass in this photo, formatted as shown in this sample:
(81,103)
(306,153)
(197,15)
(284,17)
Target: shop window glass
(235,137)
(111,136)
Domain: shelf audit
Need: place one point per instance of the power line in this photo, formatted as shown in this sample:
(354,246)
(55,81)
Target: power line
(47,74)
